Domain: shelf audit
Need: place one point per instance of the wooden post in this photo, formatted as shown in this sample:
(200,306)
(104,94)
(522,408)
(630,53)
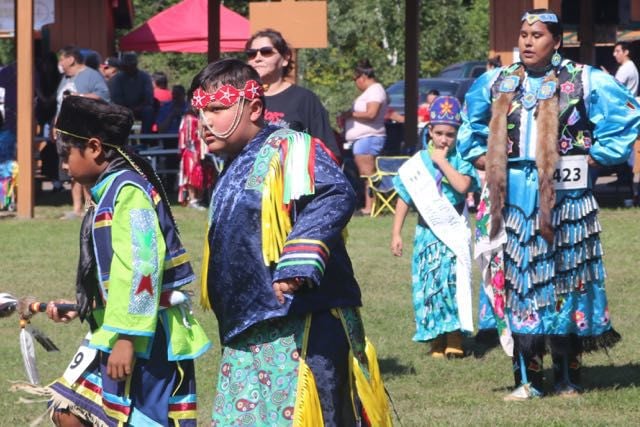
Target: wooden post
(412,12)
(585,33)
(25,122)
(213,12)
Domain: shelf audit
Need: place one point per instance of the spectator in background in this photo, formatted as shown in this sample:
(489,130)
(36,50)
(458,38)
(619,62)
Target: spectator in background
(160,84)
(132,88)
(8,96)
(91,58)
(423,112)
(77,79)
(196,174)
(109,68)
(364,125)
(627,73)
(48,80)
(287,105)
(170,113)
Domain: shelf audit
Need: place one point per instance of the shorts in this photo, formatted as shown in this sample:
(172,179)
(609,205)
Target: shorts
(371,145)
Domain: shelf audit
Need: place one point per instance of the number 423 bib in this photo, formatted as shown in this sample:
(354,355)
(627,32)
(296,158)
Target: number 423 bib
(571,173)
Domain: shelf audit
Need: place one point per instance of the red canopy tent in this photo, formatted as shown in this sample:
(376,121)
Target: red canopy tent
(183,28)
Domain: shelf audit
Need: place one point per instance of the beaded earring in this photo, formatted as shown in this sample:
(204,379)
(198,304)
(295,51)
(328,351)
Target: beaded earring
(556,59)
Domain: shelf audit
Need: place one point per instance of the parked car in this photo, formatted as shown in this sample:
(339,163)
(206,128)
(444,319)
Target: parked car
(466,69)
(454,87)
(395,131)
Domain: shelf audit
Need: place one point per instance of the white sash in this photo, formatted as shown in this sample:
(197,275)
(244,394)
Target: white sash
(449,227)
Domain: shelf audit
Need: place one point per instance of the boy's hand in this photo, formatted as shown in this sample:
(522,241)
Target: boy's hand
(286,286)
(64,317)
(120,362)
(396,245)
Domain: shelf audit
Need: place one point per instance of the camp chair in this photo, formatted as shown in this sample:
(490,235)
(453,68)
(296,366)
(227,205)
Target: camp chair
(381,183)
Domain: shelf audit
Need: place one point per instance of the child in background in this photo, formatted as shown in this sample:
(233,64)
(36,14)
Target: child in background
(196,175)
(436,181)
(278,275)
(136,367)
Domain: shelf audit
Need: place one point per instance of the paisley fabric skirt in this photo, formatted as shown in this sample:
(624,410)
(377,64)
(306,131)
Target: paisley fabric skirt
(258,375)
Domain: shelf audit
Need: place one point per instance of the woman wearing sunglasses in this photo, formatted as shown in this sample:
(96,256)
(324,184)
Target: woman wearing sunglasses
(287,105)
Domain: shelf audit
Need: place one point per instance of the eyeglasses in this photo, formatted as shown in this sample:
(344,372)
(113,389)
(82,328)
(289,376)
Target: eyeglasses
(265,51)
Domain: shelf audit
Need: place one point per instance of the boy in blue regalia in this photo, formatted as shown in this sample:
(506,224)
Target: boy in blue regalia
(276,270)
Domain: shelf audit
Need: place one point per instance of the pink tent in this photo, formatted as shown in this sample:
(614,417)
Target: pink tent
(183,28)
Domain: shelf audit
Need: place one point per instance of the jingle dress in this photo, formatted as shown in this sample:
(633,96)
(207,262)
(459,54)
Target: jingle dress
(553,289)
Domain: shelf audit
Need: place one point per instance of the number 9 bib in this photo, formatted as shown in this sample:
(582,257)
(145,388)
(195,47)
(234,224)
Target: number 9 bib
(80,361)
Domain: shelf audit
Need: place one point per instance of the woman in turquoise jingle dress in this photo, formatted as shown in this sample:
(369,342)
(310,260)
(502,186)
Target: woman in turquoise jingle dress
(538,127)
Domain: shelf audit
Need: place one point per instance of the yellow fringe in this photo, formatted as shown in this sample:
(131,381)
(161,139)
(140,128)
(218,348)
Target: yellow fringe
(204,289)
(276,223)
(307,411)
(371,393)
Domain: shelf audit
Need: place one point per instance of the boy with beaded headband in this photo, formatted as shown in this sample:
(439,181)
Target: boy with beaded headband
(276,270)
(136,366)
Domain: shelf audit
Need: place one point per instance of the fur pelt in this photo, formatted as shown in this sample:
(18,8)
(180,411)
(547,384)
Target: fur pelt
(496,164)
(546,157)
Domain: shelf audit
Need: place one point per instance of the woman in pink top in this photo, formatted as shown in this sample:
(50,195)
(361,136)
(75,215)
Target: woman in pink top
(364,124)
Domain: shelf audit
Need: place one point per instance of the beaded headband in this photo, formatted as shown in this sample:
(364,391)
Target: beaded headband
(227,95)
(532,18)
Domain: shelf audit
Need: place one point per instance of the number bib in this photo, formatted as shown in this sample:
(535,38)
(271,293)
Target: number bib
(571,173)
(80,361)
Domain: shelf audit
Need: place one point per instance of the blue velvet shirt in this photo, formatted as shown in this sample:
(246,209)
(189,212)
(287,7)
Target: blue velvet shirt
(239,282)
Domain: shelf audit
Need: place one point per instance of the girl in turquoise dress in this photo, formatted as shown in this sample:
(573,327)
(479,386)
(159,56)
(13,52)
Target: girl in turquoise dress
(434,263)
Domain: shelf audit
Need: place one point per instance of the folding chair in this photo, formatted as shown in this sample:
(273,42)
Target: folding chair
(381,183)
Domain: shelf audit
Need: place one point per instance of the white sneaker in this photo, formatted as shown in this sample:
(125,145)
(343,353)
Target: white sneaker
(524,392)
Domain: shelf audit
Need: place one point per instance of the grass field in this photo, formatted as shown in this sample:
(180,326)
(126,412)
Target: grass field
(39,257)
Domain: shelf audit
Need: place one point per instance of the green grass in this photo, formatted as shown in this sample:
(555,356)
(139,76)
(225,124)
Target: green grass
(38,258)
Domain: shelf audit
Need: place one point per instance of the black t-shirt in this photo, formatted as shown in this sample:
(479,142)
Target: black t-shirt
(300,109)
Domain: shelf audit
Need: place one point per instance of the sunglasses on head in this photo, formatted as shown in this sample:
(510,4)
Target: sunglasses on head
(265,51)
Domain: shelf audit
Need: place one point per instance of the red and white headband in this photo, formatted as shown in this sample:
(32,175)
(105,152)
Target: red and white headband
(227,95)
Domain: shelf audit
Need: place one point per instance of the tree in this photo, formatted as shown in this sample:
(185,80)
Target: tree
(451,31)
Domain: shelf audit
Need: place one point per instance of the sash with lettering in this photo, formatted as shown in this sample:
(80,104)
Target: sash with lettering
(449,227)
(489,254)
